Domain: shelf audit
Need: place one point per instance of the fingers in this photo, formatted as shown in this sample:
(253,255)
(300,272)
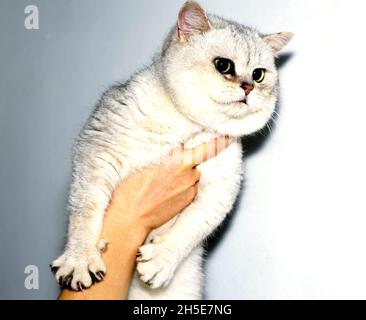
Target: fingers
(187,196)
(188,178)
(195,176)
(197,155)
(192,192)
(179,202)
(192,186)
(206,150)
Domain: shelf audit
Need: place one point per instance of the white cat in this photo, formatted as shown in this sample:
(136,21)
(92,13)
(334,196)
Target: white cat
(212,77)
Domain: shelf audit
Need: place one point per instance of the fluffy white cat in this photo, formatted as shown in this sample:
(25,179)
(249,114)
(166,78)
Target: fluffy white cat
(212,77)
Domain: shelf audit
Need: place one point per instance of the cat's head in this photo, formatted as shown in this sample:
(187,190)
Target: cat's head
(220,74)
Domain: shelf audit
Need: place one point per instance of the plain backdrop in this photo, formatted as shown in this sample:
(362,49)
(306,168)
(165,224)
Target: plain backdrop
(299,229)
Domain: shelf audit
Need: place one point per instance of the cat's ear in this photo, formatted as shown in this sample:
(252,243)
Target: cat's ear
(192,19)
(278,41)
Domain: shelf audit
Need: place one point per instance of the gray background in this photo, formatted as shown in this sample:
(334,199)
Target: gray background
(298,231)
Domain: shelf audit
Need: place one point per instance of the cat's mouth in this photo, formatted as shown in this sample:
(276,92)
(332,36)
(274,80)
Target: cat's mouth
(234,102)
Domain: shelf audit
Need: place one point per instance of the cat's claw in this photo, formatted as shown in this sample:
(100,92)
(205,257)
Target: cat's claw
(156,264)
(79,271)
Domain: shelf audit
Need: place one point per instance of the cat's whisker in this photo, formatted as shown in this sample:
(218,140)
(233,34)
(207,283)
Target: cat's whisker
(269,128)
(275,115)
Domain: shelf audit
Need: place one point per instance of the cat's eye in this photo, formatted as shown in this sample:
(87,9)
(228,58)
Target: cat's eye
(258,75)
(225,66)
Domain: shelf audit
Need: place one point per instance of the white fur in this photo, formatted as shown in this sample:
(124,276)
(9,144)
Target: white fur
(180,96)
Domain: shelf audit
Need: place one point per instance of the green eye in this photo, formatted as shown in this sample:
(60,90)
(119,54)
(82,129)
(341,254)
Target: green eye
(258,75)
(224,66)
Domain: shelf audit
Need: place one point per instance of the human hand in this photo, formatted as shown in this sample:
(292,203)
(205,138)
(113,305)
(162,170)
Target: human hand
(149,198)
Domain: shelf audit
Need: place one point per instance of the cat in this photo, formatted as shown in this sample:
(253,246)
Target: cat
(212,77)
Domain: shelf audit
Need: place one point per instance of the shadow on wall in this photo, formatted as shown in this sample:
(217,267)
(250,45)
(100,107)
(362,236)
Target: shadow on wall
(251,145)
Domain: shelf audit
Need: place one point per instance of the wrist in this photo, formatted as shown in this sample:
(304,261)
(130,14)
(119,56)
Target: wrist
(123,229)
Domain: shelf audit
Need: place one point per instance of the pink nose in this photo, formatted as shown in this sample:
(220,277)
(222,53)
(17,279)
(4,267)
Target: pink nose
(247,87)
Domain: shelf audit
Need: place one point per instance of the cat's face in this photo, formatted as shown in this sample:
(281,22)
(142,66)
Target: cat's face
(220,74)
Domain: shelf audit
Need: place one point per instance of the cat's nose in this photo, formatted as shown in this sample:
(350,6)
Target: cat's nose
(248,87)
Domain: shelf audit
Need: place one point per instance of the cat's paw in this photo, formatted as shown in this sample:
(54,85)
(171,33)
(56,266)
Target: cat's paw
(79,270)
(156,264)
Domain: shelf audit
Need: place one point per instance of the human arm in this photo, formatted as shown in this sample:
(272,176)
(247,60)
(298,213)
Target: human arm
(141,203)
